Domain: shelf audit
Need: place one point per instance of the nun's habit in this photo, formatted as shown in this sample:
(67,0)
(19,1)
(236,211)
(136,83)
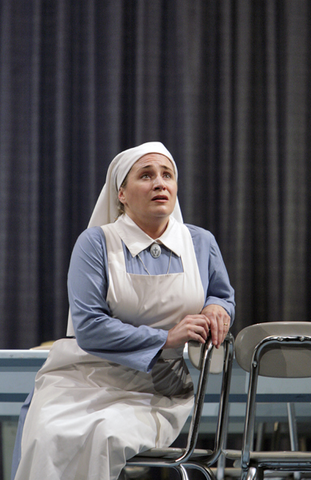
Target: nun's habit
(120,394)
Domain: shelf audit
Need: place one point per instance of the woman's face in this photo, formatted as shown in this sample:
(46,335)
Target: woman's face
(150,191)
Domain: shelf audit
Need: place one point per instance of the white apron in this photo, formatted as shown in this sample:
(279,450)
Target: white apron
(89,415)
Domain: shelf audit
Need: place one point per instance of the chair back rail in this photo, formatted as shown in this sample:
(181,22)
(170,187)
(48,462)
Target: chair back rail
(189,456)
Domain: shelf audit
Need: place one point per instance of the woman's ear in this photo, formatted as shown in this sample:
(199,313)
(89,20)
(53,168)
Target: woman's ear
(121,195)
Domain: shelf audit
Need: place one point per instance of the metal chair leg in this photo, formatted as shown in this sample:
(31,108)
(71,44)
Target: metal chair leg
(182,472)
(293,434)
(208,474)
(260,436)
(221,464)
(252,474)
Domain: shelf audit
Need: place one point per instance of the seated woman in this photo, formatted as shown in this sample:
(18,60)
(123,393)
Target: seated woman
(140,286)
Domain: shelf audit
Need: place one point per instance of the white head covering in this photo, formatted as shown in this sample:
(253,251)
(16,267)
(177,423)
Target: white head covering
(106,208)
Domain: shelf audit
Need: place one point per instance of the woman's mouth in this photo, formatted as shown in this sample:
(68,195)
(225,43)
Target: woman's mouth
(160,198)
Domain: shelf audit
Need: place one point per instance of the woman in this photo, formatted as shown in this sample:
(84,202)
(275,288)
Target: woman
(139,288)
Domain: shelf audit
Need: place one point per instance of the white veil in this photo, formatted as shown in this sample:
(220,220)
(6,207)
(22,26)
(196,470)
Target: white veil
(106,208)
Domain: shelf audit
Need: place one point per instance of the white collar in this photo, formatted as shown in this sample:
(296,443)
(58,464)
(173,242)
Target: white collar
(137,240)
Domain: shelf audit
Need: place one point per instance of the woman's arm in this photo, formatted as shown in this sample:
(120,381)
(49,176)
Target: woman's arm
(219,307)
(97,332)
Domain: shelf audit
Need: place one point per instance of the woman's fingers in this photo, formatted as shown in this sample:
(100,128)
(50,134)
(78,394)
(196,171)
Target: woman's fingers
(219,323)
(213,320)
(192,327)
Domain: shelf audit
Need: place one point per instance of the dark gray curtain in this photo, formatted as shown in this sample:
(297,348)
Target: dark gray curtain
(225,85)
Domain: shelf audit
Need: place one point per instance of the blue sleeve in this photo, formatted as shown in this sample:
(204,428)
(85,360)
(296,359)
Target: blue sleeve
(97,332)
(214,275)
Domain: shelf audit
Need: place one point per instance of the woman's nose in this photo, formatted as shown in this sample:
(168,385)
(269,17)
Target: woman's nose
(158,182)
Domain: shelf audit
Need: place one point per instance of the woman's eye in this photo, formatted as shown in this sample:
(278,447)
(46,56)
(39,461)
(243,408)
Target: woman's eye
(167,175)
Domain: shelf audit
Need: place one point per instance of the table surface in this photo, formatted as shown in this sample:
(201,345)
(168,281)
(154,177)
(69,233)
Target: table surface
(18,369)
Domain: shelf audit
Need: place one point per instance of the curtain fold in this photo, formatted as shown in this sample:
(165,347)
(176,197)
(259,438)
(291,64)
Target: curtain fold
(225,85)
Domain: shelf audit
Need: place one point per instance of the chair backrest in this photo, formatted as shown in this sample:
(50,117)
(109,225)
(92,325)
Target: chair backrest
(201,357)
(290,354)
(195,350)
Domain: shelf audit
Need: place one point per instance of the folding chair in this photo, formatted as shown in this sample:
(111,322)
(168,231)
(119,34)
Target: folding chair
(272,349)
(181,459)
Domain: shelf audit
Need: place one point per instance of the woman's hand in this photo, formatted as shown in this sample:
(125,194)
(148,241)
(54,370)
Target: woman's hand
(219,323)
(191,327)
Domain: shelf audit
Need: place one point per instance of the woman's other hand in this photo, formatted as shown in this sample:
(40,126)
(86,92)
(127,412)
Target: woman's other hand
(219,323)
(191,327)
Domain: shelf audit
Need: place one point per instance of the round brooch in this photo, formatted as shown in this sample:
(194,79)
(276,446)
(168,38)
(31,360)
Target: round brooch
(155,250)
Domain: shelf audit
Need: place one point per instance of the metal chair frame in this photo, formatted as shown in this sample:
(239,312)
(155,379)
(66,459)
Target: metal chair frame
(181,459)
(255,463)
